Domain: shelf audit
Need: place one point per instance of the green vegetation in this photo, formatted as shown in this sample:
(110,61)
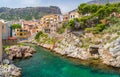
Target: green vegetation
(37,37)
(70,25)
(99,28)
(61,30)
(44,38)
(15,26)
(92,15)
(100,11)
(27,13)
(114,25)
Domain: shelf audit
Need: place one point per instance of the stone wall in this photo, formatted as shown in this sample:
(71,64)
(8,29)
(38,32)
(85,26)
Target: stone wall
(9,42)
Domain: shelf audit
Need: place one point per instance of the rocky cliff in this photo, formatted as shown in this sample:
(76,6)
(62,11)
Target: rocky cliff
(27,13)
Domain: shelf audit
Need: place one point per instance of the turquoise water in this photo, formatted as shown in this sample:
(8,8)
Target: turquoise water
(47,64)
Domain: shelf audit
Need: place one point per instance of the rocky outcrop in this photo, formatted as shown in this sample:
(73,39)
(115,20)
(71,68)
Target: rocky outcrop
(114,49)
(95,48)
(71,46)
(9,70)
(19,52)
(112,55)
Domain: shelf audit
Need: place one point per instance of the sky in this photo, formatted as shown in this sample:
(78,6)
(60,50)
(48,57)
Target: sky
(65,5)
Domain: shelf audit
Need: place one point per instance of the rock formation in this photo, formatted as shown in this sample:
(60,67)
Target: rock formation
(114,53)
(19,52)
(9,70)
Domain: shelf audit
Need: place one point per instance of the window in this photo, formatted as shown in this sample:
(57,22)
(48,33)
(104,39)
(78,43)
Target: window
(20,30)
(21,34)
(73,15)
(17,33)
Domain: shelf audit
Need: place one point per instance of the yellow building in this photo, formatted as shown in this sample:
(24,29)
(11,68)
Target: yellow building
(31,26)
(21,33)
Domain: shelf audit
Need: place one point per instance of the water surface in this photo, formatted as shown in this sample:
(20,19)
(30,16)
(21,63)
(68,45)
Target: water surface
(46,64)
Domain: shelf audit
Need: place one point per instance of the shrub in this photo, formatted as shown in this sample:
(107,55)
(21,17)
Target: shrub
(114,27)
(99,28)
(15,26)
(61,30)
(37,37)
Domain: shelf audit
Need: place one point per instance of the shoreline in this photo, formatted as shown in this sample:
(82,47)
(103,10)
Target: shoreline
(95,64)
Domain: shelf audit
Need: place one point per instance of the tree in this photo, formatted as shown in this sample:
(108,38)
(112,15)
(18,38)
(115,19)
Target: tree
(15,26)
(37,37)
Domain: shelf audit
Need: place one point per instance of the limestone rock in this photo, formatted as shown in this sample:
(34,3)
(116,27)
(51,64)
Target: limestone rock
(114,51)
(26,55)
(9,70)
(20,52)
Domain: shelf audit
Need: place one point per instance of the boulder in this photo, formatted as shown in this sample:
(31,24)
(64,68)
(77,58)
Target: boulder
(18,55)
(26,55)
(9,70)
(20,52)
(6,61)
(16,73)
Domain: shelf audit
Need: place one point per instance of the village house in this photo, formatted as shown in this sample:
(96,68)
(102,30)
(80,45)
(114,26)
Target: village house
(22,34)
(74,14)
(65,17)
(31,26)
(70,15)
(7,37)
(50,23)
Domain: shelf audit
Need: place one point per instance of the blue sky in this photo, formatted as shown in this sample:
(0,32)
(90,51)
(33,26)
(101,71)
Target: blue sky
(65,5)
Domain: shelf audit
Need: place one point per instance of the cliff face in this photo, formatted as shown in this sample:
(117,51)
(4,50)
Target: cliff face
(27,13)
(103,1)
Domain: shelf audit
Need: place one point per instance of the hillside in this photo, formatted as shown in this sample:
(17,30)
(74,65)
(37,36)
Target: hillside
(103,1)
(27,13)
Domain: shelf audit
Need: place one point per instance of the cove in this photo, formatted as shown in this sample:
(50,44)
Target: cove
(46,64)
